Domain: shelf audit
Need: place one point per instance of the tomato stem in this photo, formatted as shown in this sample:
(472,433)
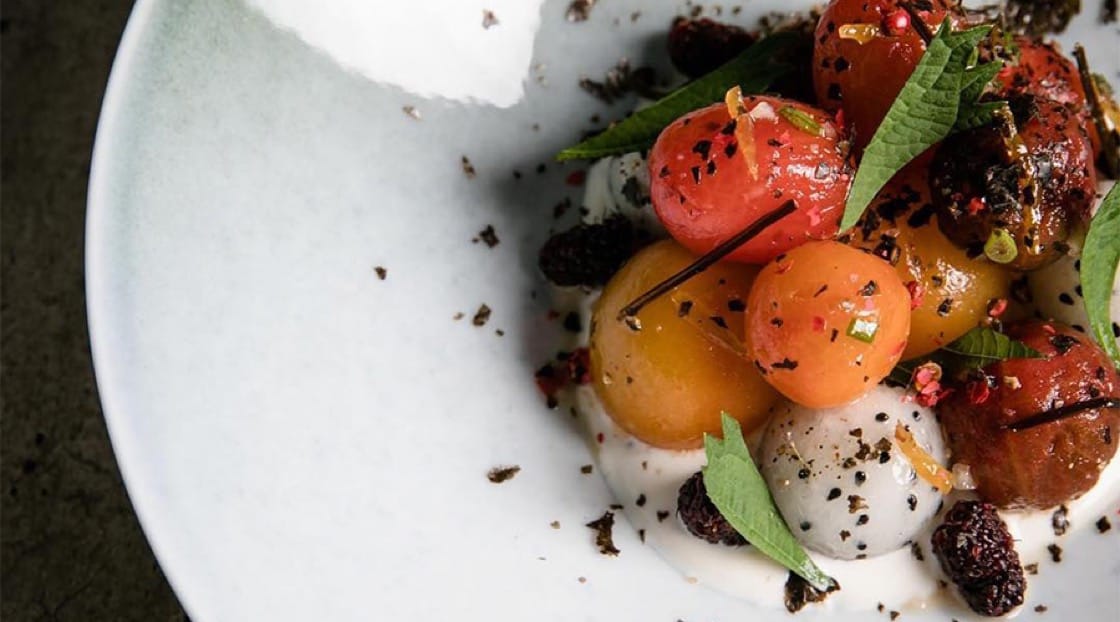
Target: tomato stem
(629,313)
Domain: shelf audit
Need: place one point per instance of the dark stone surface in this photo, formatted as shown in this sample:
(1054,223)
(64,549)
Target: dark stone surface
(72,549)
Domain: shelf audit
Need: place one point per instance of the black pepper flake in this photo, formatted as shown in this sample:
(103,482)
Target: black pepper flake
(862,520)
(718,321)
(1103,525)
(785,363)
(572,322)
(822,290)
(834,494)
(884,457)
(861,546)
(702,148)
(894,614)
(1063,343)
(869,289)
(381,272)
(799,593)
(489,19)
(498,475)
(1055,553)
(916,551)
(642,535)
(468,168)
(1065,299)
(586,469)
(834,92)
(841,64)
(1060,521)
(1041,608)
(488,236)
(736,306)
(729,150)
(881,417)
(641,501)
(684,308)
(481,316)
(602,527)
(662,515)
(1031,569)
(695,174)
(835,333)
(880,608)
(945,307)
(805,525)
(664,172)
(912,502)
(777,321)
(844,535)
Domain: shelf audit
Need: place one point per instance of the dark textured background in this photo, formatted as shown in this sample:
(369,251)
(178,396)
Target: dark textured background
(71,546)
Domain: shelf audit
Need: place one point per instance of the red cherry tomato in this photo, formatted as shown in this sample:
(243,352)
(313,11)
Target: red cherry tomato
(706,185)
(863,78)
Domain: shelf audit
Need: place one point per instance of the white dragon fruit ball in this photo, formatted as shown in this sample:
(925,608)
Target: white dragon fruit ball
(840,479)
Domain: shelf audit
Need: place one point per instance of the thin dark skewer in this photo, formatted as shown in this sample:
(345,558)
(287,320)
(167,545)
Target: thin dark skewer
(703,263)
(1063,412)
(917,22)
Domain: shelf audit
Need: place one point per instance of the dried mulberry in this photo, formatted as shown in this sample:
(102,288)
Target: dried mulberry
(977,552)
(701,517)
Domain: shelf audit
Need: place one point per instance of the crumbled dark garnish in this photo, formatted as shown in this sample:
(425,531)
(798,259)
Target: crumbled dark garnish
(799,593)
(1041,608)
(869,289)
(662,515)
(1060,521)
(1103,525)
(785,363)
(718,321)
(468,168)
(502,474)
(736,305)
(945,307)
(642,535)
(697,46)
(1040,17)
(481,316)
(856,503)
(489,19)
(572,323)
(684,309)
(488,236)
(882,417)
(977,552)
(586,469)
(894,614)
(621,80)
(589,254)
(916,551)
(641,501)
(602,527)
(700,515)
(1031,569)
(1055,553)
(411,111)
(381,272)
(579,10)
(1063,343)
(1108,12)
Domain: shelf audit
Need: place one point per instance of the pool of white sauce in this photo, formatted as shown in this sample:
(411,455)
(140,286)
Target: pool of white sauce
(633,469)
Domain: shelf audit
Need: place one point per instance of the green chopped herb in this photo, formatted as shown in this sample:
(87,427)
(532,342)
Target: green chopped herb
(863,328)
(753,71)
(940,92)
(1098,270)
(740,494)
(1000,247)
(801,120)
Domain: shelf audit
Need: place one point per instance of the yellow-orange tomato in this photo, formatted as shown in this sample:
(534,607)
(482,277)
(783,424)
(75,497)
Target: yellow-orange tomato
(826,322)
(950,290)
(667,382)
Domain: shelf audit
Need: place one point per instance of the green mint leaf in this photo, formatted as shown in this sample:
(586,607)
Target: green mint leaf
(976,79)
(972,116)
(737,489)
(982,346)
(923,114)
(1098,270)
(753,71)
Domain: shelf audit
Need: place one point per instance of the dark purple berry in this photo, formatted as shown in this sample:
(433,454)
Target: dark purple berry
(589,254)
(977,552)
(697,46)
(700,515)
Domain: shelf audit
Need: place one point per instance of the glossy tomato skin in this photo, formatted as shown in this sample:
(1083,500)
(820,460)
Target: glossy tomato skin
(950,291)
(975,184)
(1043,71)
(706,187)
(826,322)
(1048,464)
(863,79)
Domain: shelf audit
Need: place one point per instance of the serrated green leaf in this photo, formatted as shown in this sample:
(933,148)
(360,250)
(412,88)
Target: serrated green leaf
(1098,270)
(972,116)
(976,78)
(923,114)
(753,71)
(740,494)
(982,346)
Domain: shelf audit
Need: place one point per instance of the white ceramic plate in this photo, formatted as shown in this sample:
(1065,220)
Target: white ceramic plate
(305,441)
